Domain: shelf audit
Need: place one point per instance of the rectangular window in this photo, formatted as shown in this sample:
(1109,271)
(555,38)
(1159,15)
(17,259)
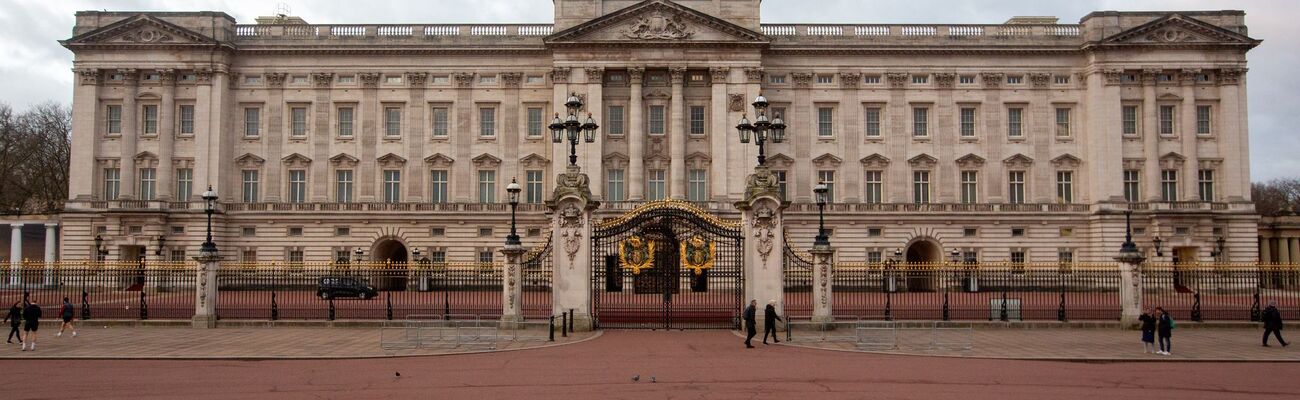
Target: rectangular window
(1015,79)
(1065,187)
(187,119)
(825,78)
(250,186)
(176,255)
(825,121)
(487,186)
(776,79)
(438,186)
(1130,118)
(345,121)
(871,79)
(343,186)
(872,118)
(533,186)
(487,122)
(969,187)
(485,256)
(920,187)
(874,256)
(697,187)
(966,79)
(1205,184)
(184,184)
(1015,124)
(874,187)
(1062,122)
(148,183)
(392,186)
(656,120)
(439,121)
(655,189)
(392,121)
(967,120)
(920,79)
(614,121)
(1167,120)
(298,121)
(114,119)
(920,121)
(697,120)
(534,121)
(1203,120)
(1132,185)
(780,182)
(297,186)
(1062,79)
(1016,187)
(614,185)
(252,121)
(150,118)
(1169,185)
(828,177)
(1018,257)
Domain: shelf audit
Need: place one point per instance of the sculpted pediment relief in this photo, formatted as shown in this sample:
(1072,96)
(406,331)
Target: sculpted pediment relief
(875,161)
(970,161)
(438,160)
(140,30)
(1178,29)
(533,160)
(657,22)
(780,161)
(922,161)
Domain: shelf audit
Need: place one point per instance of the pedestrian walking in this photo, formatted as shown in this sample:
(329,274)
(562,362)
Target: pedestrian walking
(769,321)
(15,319)
(31,322)
(66,314)
(1273,323)
(1148,331)
(1165,331)
(750,330)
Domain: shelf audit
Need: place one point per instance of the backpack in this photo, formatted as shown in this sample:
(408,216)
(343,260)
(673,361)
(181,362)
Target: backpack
(67,310)
(1172,324)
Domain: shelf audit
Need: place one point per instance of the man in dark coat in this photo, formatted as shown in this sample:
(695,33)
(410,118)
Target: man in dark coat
(1273,323)
(31,322)
(750,329)
(769,321)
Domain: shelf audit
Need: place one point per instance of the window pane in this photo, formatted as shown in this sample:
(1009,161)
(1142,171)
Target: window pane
(969,187)
(184,184)
(697,187)
(825,121)
(439,121)
(920,121)
(112,183)
(873,121)
(393,121)
(614,121)
(299,121)
(967,122)
(614,189)
(1016,187)
(150,119)
(392,186)
(1169,185)
(656,120)
(1205,184)
(874,186)
(1130,116)
(250,186)
(1132,189)
(1203,120)
(148,183)
(920,187)
(1166,120)
(655,188)
(1062,122)
(487,122)
(697,120)
(533,186)
(1064,187)
(114,119)
(297,186)
(252,121)
(534,121)
(1014,122)
(343,186)
(345,121)
(438,185)
(828,177)
(487,181)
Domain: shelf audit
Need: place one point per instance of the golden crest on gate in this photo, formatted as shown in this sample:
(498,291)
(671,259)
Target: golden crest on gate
(697,254)
(635,253)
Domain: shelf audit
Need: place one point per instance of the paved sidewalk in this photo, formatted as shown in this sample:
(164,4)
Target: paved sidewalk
(1076,344)
(269,342)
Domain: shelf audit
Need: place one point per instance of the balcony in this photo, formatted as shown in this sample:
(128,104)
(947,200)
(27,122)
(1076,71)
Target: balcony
(352,31)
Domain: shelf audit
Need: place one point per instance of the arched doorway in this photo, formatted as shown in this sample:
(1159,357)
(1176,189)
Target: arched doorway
(392,273)
(921,257)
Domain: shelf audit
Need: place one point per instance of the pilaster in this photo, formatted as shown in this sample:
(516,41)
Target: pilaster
(570,207)
(167,136)
(677,136)
(205,294)
(130,133)
(761,223)
(635,136)
(823,268)
(512,285)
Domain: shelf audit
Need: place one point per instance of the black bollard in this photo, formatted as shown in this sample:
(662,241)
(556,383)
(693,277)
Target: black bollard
(552,329)
(571,318)
(564,323)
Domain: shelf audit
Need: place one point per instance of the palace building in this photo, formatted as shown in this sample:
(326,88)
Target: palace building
(1023,141)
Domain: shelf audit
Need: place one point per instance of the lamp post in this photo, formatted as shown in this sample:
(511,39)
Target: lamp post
(162,241)
(1128,252)
(822,240)
(513,191)
(100,252)
(1130,274)
(209,248)
(1156,241)
(359,255)
(570,127)
(761,128)
(956,256)
(1219,247)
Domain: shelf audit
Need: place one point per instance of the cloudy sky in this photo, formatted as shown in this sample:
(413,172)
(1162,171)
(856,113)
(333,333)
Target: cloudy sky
(34,68)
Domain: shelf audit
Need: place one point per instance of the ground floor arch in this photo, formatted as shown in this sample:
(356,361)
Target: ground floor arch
(390,256)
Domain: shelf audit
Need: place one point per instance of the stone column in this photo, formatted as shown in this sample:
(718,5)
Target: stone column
(570,207)
(823,259)
(512,287)
(1265,251)
(130,134)
(167,137)
(1283,251)
(86,108)
(205,301)
(761,223)
(850,135)
(802,134)
(595,105)
(560,94)
(272,189)
(677,135)
(718,171)
(465,179)
(322,137)
(15,253)
(635,181)
(366,178)
(1130,293)
(1150,130)
(1232,134)
(1186,129)
(1294,245)
(417,131)
(51,250)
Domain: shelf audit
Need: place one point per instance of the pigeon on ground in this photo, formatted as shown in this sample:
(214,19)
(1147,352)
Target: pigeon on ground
(652,380)
(397,374)
(636,378)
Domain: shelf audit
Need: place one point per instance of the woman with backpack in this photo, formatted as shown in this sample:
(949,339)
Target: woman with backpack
(1164,330)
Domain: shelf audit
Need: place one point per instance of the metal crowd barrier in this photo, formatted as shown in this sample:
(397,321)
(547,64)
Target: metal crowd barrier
(425,331)
(884,335)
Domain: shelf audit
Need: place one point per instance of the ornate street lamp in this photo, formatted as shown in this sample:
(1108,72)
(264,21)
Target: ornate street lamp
(822,240)
(209,248)
(1128,252)
(1219,247)
(513,191)
(762,129)
(956,256)
(359,255)
(1157,241)
(162,241)
(570,127)
(415,254)
(100,252)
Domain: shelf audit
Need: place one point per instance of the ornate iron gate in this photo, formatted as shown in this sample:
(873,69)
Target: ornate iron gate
(667,264)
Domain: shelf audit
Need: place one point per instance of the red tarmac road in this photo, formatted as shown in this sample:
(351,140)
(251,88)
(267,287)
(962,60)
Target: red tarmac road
(699,364)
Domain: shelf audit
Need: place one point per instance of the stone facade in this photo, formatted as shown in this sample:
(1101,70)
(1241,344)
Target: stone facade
(1001,142)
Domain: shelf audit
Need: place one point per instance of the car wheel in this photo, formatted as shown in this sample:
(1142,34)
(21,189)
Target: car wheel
(324,295)
(364,296)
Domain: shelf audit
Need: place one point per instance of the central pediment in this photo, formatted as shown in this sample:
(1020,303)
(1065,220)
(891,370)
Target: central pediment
(658,23)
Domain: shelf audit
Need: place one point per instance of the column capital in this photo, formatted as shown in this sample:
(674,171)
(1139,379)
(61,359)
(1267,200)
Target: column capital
(87,76)
(560,75)
(1040,80)
(594,74)
(417,79)
(754,74)
(509,79)
(1231,76)
(1187,76)
(275,79)
(991,79)
(801,79)
(369,80)
(130,76)
(1149,75)
(463,79)
(718,75)
(322,80)
(677,74)
(635,74)
(1113,76)
(854,79)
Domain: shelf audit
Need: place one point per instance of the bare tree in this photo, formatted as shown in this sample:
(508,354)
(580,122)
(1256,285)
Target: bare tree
(35,150)
(1280,195)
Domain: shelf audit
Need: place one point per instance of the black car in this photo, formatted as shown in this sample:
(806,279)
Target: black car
(339,286)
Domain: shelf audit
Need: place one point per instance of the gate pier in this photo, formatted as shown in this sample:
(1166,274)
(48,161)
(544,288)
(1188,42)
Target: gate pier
(570,208)
(762,224)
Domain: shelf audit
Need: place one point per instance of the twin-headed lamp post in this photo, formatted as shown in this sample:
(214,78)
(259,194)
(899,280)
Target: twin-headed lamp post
(762,129)
(569,127)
